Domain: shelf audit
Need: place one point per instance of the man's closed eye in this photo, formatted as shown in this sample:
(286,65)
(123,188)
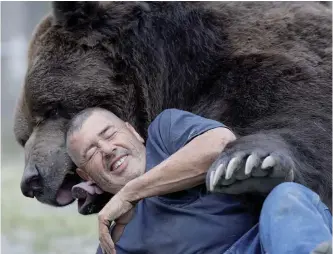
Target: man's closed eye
(91,152)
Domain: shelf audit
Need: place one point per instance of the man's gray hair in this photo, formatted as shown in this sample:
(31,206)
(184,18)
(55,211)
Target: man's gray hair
(75,124)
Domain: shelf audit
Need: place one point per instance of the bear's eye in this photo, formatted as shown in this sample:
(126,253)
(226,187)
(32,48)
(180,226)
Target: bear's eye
(57,111)
(51,113)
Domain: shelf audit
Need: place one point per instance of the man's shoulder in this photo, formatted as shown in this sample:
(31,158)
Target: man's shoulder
(170,115)
(163,120)
(162,130)
(181,121)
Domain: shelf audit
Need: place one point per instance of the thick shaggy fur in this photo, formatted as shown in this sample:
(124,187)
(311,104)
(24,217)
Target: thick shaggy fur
(262,68)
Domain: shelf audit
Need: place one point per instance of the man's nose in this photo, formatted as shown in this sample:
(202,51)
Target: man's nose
(31,181)
(106,146)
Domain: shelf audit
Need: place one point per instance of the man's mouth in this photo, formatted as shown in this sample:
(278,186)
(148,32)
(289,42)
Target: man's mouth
(119,164)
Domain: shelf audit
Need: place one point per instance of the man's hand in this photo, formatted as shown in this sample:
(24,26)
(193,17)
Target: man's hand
(119,210)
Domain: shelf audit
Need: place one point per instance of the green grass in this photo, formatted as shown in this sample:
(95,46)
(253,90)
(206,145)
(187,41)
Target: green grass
(28,226)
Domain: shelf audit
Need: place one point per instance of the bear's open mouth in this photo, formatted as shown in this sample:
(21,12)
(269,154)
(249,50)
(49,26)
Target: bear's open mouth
(64,195)
(86,193)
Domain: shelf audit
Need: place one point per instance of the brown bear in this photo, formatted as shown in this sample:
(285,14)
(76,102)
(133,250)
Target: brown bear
(261,68)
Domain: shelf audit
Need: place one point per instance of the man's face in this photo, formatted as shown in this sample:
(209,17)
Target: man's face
(108,150)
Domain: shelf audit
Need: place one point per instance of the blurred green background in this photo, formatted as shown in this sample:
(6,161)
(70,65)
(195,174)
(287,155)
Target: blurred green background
(27,226)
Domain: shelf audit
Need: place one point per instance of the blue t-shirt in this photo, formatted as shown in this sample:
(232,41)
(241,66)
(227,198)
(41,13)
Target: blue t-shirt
(191,221)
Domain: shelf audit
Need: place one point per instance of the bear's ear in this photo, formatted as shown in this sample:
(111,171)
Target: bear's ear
(91,22)
(75,15)
(82,20)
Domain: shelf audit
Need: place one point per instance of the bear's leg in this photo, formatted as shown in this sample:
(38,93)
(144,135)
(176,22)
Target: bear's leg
(257,163)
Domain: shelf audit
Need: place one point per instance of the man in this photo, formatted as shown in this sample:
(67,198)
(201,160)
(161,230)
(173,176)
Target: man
(111,153)
(179,150)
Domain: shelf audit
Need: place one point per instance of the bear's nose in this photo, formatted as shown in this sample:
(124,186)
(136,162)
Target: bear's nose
(31,182)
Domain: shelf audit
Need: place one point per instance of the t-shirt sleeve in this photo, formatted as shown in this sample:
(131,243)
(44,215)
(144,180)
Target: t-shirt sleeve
(172,129)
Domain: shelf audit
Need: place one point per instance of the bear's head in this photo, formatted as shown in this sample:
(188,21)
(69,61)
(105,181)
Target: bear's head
(74,62)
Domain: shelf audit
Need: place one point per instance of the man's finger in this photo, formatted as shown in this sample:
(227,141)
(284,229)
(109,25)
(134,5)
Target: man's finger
(106,247)
(105,238)
(107,244)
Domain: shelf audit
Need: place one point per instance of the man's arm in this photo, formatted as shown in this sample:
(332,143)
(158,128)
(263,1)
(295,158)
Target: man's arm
(183,170)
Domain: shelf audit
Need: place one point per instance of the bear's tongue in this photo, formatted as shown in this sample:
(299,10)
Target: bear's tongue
(64,195)
(86,193)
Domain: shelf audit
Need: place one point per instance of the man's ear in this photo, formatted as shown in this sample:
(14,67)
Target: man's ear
(83,174)
(137,135)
